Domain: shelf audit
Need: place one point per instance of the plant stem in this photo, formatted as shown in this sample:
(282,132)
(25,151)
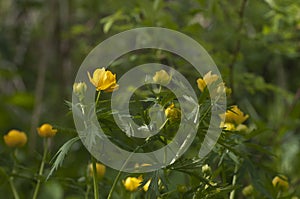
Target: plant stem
(98,97)
(11,178)
(13,188)
(114,185)
(95,182)
(120,171)
(37,188)
(87,191)
(232,193)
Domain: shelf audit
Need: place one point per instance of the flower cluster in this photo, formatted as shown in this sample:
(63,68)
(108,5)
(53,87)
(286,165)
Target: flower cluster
(16,139)
(280,183)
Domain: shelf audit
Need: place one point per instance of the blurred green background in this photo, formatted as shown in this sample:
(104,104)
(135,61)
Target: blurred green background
(255,44)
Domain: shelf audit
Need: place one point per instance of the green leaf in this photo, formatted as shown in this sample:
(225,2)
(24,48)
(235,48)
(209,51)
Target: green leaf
(61,154)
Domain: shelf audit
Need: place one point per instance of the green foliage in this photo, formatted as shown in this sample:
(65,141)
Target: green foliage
(255,45)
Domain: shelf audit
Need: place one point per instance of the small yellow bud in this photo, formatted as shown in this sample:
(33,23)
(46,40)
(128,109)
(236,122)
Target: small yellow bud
(206,168)
(248,190)
(208,79)
(173,113)
(100,168)
(182,188)
(162,77)
(79,89)
(15,138)
(46,130)
(280,182)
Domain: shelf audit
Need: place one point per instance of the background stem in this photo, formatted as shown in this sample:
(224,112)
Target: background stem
(37,188)
(95,182)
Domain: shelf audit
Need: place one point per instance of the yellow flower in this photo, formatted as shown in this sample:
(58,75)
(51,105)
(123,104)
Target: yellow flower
(208,79)
(100,168)
(162,77)
(248,190)
(132,183)
(235,116)
(103,80)
(79,89)
(15,138)
(46,130)
(281,182)
(173,113)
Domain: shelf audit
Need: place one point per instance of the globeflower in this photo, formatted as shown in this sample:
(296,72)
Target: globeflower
(162,77)
(79,89)
(46,130)
(15,138)
(103,80)
(172,113)
(208,79)
(248,190)
(132,183)
(281,182)
(100,168)
(235,116)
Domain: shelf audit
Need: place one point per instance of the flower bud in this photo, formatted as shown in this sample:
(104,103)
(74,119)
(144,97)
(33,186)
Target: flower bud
(79,89)
(46,130)
(207,80)
(15,138)
(280,182)
(162,77)
(206,169)
(248,190)
(172,113)
(100,168)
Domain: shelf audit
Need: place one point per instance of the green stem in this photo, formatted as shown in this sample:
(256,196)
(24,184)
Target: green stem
(87,191)
(98,97)
(114,185)
(38,184)
(11,178)
(95,182)
(232,193)
(132,196)
(120,171)
(13,188)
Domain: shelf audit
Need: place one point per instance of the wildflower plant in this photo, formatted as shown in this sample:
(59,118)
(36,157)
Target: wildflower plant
(151,134)
(150,131)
